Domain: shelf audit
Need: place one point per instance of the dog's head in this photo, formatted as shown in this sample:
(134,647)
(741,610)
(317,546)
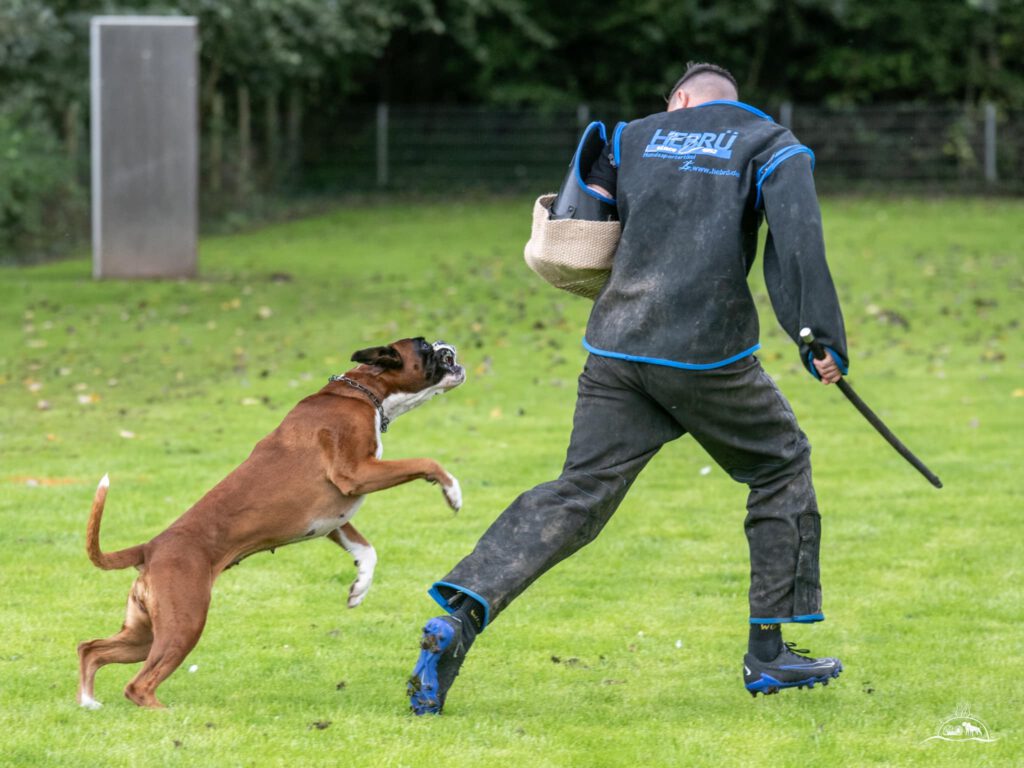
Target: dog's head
(413,370)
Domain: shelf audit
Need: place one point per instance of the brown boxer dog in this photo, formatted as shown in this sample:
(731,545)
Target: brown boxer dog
(304,480)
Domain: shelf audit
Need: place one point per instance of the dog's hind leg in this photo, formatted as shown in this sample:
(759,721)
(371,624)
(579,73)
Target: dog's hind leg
(365,556)
(178,601)
(129,645)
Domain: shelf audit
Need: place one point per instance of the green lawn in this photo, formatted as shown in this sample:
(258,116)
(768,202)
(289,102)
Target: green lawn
(627,654)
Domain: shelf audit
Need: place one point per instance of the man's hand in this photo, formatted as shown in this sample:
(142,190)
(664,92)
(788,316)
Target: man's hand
(827,369)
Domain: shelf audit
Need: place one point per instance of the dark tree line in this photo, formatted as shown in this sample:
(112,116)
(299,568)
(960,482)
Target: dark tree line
(269,62)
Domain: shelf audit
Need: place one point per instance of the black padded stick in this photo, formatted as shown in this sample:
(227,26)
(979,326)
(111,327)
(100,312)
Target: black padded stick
(819,353)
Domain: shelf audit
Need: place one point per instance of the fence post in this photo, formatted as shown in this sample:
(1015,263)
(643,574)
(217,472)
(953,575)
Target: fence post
(991,174)
(582,116)
(243,181)
(382,144)
(786,114)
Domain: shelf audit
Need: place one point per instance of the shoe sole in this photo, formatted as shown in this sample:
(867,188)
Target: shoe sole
(768,685)
(422,686)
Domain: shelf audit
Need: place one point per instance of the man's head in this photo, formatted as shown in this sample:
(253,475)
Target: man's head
(702,82)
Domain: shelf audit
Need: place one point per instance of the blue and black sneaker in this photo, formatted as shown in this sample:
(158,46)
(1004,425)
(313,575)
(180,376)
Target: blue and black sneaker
(788,670)
(444,644)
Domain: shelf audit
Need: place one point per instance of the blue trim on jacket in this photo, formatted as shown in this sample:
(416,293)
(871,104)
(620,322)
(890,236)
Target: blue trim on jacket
(670,363)
(843,367)
(616,141)
(775,161)
(740,104)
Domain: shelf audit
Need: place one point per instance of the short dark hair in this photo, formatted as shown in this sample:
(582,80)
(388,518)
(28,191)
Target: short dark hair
(694,68)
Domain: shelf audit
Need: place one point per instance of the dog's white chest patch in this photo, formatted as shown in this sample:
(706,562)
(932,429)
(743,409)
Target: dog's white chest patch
(403,402)
(380,445)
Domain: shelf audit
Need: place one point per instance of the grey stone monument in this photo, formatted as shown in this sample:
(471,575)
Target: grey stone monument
(145,146)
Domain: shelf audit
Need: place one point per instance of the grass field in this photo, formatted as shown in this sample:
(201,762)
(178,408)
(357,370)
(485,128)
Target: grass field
(627,654)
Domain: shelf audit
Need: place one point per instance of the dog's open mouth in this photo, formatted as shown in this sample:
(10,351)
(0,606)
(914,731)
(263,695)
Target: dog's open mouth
(445,355)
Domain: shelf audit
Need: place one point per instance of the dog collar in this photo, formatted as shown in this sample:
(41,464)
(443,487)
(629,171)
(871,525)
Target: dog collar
(384,420)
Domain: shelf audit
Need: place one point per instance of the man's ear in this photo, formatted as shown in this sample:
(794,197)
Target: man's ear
(680,99)
(383,357)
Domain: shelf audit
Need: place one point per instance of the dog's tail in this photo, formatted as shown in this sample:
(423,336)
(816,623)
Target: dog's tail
(108,561)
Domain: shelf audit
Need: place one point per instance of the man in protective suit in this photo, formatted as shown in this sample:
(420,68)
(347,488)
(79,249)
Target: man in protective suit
(672,337)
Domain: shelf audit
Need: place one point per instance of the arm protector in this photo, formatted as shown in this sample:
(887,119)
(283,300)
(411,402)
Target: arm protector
(575,200)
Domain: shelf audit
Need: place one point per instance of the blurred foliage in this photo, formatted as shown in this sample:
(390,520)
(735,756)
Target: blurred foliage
(282,56)
(40,204)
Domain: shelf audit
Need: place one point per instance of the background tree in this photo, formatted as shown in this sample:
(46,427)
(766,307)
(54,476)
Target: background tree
(276,72)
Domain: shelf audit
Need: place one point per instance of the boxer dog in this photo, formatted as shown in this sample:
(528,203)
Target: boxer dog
(304,480)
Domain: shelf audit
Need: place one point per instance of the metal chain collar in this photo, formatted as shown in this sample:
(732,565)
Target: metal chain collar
(384,420)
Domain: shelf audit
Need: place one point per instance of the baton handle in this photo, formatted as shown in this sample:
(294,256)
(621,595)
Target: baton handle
(807,337)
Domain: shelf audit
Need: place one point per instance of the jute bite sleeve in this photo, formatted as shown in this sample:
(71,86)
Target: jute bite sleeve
(571,254)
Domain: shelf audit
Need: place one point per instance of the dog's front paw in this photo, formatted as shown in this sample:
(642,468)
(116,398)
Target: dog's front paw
(357,592)
(453,494)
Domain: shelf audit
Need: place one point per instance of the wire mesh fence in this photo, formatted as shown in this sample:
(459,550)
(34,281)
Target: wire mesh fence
(439,148)
(444,149)
(894,145)
(289,148)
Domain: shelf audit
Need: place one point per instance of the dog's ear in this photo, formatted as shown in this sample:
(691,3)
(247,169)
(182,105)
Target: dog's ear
(383,357)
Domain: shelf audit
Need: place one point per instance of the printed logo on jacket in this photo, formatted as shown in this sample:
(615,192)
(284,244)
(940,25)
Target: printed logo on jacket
(680,145)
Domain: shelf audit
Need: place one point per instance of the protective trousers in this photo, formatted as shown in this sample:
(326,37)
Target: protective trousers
(625,412)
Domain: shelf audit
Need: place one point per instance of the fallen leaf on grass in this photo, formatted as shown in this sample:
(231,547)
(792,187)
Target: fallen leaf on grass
(127,434)
(45,482)
(572,661)
(1018,393)
(320,724)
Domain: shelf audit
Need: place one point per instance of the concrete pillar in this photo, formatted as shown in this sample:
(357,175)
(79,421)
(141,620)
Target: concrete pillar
(145,146)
